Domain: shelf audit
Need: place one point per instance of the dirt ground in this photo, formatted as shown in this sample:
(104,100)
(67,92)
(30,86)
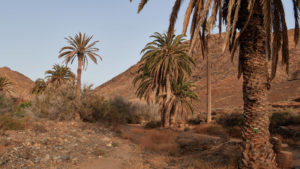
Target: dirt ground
(78,145)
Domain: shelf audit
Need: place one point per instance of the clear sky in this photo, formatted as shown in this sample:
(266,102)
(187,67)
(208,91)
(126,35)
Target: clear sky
(33,31)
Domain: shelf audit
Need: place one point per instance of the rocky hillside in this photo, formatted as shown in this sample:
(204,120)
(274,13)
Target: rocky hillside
(226,88)
(22,85)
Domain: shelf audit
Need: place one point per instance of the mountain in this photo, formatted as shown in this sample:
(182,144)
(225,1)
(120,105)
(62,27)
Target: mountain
(226,88)
(22,85)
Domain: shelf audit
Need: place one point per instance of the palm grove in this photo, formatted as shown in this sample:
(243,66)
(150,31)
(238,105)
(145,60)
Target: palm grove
(255,20)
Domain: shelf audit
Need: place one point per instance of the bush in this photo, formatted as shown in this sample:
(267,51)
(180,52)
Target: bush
(56,102)
(231,120)
(6,104)
(95,108)
(211,129)
(21,109)
(283,118)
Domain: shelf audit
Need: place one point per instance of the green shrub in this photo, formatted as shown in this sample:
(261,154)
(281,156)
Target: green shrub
(21,109)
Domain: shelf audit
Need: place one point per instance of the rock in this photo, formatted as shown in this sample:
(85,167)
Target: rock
(46,158)
(61,158)
(285,160)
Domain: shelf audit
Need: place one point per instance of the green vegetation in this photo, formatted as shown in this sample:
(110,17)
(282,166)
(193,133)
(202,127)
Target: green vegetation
(249,29)
(59,74)
(39,86)
(165,61)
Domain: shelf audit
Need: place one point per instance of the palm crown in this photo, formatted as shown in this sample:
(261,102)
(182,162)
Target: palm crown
(165,58)
(80,46)
(59,74)
(39,86)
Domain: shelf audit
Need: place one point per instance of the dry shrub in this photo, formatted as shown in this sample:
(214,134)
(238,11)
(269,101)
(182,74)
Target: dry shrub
(283,118)
(159,141)
(8,122)
(235,131)
(211,129)
(134,164)
(6,103)
(201,164)
(122,133)
(147,112)
(94,108)
(231,119)
(56,102)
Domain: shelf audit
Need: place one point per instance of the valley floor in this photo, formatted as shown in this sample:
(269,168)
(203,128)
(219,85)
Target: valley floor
(78,145)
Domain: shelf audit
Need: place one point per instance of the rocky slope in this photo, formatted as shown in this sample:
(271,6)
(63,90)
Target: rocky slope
(226,88)
(22,85)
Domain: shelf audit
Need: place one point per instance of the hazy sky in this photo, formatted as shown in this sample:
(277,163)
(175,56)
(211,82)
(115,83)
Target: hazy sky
(33,31)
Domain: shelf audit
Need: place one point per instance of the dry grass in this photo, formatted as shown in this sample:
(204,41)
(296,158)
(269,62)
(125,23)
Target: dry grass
(8,122)
(211,129)
(159,141)
(201,164)
(135,165)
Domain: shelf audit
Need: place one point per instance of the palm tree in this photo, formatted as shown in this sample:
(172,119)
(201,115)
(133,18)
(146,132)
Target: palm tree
(81,48)
(255,20)
(39,86)
(59,74)
(164,60)
(183,98)
(5,84)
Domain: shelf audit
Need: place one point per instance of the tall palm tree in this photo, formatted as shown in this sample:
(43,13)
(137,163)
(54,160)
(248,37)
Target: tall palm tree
(164,60)
(5,84)
(82,48)
(39,86)
(58,74)
(256,20)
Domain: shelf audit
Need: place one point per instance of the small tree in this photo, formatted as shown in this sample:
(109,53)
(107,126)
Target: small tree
(39,86)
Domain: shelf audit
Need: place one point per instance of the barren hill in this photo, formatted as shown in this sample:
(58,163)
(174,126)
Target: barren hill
(226,88)
(22,85)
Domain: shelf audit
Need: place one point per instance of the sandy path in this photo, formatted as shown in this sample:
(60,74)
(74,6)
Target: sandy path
(122,154)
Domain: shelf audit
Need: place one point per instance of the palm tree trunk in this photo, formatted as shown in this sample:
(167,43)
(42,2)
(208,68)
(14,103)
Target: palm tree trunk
(167,102)
(257,151)
(78,87)
(208,85)
(173,114)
